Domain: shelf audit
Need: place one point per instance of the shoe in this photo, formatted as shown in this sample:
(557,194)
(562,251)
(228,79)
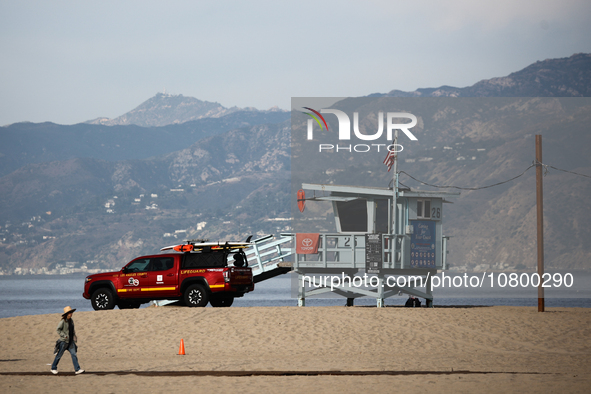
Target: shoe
(78,372)
(54,371)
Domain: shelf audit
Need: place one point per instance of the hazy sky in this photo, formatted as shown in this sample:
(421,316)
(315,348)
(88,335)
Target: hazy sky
(71,61)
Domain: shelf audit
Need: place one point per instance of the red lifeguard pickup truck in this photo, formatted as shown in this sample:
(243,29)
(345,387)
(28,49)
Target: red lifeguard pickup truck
(197,275)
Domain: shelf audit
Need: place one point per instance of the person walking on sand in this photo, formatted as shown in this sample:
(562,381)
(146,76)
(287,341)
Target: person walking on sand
(67,333)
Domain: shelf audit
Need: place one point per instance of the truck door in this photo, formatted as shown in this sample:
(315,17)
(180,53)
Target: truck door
(132,281)
(162,277)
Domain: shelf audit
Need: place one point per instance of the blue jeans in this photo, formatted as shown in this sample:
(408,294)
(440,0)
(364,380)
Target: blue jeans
(60,353)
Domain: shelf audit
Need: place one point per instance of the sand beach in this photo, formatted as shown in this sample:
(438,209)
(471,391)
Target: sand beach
(302,350)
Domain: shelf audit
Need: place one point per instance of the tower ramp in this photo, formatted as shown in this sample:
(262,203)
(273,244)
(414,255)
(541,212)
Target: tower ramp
(270,256)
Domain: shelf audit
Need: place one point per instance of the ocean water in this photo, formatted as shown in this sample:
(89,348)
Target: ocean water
(47,294)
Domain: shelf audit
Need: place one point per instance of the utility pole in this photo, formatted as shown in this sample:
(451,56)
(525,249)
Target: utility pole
(394,187)
(540,214)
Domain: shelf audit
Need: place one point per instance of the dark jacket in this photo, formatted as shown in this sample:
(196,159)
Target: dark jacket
(63,330)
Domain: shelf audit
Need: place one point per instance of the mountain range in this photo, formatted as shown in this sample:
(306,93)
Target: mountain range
(564,77)
(176,168)
(25,143)
(165,109)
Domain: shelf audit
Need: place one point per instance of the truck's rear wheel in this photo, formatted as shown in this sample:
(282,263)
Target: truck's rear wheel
(196,295)
(221,302)
(102,299)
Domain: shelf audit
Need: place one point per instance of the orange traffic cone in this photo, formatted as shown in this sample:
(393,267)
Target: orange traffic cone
(182,348)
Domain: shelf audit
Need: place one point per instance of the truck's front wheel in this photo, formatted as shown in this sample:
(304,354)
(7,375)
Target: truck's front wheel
(196,295)
(102,299)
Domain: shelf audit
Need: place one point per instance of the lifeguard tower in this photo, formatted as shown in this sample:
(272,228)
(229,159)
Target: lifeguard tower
(399,249)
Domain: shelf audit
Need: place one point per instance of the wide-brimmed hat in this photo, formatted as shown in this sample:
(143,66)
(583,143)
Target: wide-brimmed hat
(68,310)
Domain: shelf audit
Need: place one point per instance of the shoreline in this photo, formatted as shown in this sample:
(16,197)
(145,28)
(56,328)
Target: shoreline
(338,302)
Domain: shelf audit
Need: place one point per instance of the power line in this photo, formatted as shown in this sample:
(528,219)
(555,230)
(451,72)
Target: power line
(570,172)
(467,188)
(495,184)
